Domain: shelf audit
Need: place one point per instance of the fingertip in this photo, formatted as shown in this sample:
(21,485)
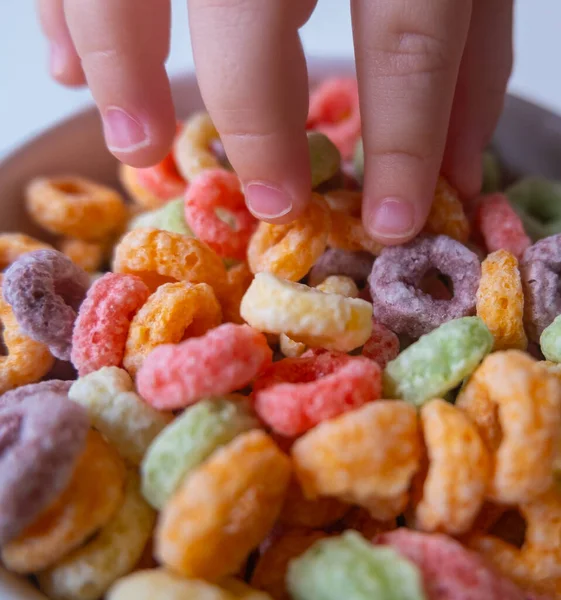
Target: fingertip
(393,220)
(273,203)
(65,66)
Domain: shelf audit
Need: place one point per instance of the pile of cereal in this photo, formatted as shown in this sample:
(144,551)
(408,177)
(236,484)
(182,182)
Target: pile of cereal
(239,410)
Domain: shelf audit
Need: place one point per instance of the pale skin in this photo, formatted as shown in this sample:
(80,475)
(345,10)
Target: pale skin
(432,77)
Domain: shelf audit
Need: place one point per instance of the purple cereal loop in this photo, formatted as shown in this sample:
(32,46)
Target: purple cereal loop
(34,389)
(540,269)
(41,438)
(45,289)
(356,265)
(401,306)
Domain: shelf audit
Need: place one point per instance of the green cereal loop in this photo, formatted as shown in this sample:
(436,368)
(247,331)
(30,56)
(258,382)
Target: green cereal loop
(538,203)
(491,173)
(358,160)
(550,341)
(438,361)
(350,568)
(172,218)
(150,218)
(325,158)
(189,440)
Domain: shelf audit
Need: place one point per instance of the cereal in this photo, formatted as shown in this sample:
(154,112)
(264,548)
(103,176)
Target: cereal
(540,268)
(93,494)
(398,302)
(449,571)
(103,322)
(20,393)
(438,361)
(325,158)
(358,160)
(382,345)
(500,226)
(215,210)
(339,284)
(45,289)
(192,148)
(550,341)
(116,411)
(515,403)
(458,473)
(14,245)
(162,179)
(239,279)
(217,512)
(225,359)
(447,216)
(39,449)
(87,572)
(87,255)
(491,173)
(366,456)
(289,251)
(334,111)
(184,444)
(295,394)
(172,218)
(141,196)
(356,265)
(75,207)
(290,348)
(306,314)
(174,312)
(500,300)
(350,567)
(159,257)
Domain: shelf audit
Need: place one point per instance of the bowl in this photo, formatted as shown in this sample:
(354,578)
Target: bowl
(527,141)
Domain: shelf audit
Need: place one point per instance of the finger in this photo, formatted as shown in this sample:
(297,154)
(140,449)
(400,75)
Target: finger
(408,55)
(123,45)
(64,62)
(252,74)
(480,92)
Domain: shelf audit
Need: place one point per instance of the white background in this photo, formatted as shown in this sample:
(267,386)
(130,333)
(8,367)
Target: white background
(29,101)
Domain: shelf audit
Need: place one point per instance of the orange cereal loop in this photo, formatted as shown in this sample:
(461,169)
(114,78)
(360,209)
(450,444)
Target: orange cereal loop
(500,300)
(224,508)
(93,495)
(290,251)
(447,215)
(142,197)
(76,207)
(516,404)
(14,245)
(367,457)
(458,471)
(88,255)
(159,257)
(239,279)
(25,361)
(174,312)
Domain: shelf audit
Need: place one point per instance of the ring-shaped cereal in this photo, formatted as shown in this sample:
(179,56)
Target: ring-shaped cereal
(87,572)
(306,314)
(401,305)
(142,197)
(220,512)
(158,257)
(224,360)
(90,256)
(118,412)
(192,148)
(515,403)
(75,207)
(458,470)
(163,179)
(103,322)
(215,210)
(540,267)
(41,437)
(325,158)
(334,111)
(18,394)
(447,215)
(14,245)
(500,300)
(174,312)
(93,494)
(290,251)
(295,394)
(382,346)
(356,265)
(550,341)
(45,289)
(339,284)
(239,279)
(367,456)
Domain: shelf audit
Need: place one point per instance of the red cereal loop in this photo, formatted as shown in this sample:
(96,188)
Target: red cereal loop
(101,328)
(295,394)
(163,179)
(500,226)
(216,212)
(334,111)
(382,346)
(223,360)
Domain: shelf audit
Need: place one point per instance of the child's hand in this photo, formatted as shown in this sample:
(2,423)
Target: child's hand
(432,78)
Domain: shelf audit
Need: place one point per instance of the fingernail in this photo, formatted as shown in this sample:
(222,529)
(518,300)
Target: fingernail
(266,201)
(394,217)
(57,60)
(123,133)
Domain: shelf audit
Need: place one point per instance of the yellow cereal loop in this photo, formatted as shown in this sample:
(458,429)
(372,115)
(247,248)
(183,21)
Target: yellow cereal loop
(306,314)
(500,300)
(87,573)
(339,284)
(192,147)
(14,245)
